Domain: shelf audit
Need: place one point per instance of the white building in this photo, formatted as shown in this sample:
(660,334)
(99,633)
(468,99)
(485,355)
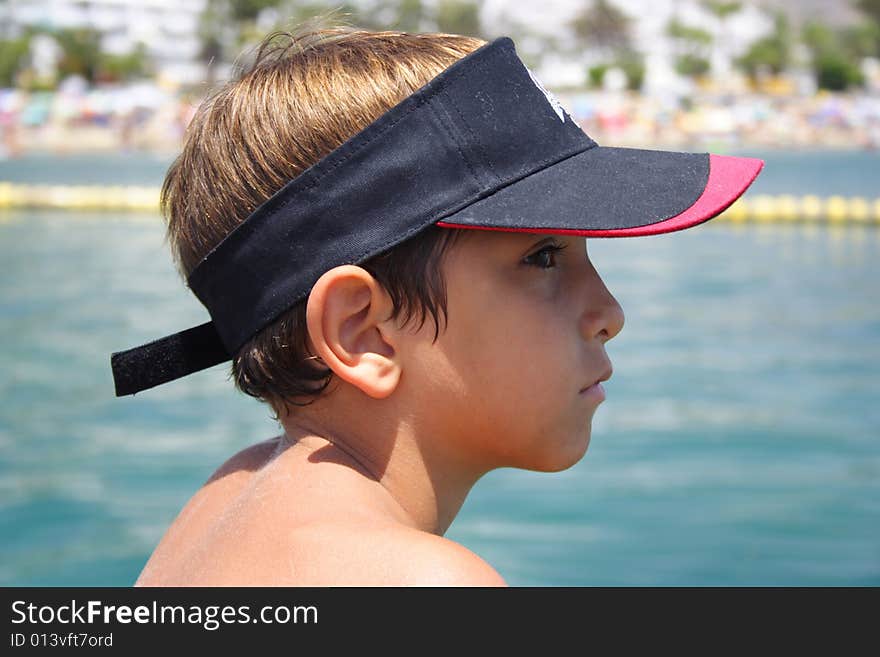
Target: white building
(167,28)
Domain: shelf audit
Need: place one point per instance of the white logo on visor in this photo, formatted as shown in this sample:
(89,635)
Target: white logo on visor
(557,107)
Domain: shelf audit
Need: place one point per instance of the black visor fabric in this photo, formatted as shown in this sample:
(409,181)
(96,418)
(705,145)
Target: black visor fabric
(469,146)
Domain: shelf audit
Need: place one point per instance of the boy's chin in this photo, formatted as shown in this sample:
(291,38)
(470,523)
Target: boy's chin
(563,457)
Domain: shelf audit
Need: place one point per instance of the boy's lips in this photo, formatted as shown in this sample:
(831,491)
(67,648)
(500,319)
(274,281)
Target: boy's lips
(605,376)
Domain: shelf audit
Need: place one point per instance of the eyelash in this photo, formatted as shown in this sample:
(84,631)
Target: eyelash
(550,249)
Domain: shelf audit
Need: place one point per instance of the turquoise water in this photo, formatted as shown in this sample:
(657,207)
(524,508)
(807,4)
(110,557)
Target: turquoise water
(739,443)
(797,172)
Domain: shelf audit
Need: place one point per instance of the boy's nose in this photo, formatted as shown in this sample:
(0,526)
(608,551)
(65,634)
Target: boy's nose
(603,318)
(615,319)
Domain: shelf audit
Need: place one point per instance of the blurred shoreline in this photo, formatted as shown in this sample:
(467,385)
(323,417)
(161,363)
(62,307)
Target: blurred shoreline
(144,118)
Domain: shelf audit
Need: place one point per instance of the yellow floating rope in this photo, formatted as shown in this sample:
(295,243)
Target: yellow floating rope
(761,208)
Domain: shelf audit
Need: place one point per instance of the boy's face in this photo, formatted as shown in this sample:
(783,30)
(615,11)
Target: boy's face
(526,333)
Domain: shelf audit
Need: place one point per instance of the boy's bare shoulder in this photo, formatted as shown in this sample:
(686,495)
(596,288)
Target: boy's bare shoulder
(386,556)
(247,460)
(437,561)
(220,539)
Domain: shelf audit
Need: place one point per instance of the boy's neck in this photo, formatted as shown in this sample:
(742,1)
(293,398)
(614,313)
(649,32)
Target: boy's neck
(421,488)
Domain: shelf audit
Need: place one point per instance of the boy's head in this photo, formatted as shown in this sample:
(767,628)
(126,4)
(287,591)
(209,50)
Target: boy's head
(304,95)
(349,182)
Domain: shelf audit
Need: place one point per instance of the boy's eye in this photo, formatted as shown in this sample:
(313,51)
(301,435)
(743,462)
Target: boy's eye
(544,258)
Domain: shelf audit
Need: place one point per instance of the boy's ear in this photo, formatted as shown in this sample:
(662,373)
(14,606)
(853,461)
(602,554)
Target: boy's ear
(348,315)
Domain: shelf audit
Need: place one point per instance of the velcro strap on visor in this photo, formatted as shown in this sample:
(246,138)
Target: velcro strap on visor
(167,359)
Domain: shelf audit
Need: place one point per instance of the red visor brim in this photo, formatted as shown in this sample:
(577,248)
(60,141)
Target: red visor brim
(729,177)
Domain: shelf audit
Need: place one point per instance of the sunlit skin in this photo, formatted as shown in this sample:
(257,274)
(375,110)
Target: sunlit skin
(364,482)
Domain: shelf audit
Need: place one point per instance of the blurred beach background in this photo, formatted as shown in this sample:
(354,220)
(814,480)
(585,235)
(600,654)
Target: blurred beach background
(740,440)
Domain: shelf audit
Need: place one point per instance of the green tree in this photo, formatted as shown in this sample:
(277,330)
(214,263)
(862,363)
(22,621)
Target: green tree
(835,60)
(595,74)
(13,57)
(603,27)
(693,46)
(410,15)
(692,66)
(81,52)
(836,72)
(632,63)
(691,37)
(124,67)
(863,38)
(216,34)
(722,9)
(818,37)
(871,9)
(248,10)
(459,17)
(772,53)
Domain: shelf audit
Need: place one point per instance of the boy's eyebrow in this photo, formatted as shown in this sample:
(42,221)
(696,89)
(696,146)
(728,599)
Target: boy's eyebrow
(546,240)
(553,238)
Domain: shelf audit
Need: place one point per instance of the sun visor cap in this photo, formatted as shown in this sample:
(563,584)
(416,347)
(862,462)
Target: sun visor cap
(482,145)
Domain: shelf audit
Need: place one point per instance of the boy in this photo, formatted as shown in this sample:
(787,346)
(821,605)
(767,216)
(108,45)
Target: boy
(346,185)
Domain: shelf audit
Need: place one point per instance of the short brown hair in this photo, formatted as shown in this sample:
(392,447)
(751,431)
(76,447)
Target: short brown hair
(305,93)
